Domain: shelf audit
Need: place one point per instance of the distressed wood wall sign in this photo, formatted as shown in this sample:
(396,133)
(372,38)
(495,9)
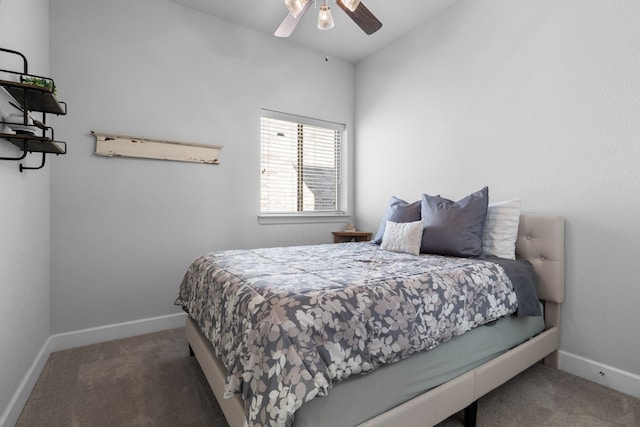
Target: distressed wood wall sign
(112,145)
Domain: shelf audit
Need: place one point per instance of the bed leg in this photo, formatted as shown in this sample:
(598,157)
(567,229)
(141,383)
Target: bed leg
(191,353)
(552,359)
(470,413)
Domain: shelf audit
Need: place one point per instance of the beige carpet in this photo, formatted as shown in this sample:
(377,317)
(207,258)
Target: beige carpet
(150,380)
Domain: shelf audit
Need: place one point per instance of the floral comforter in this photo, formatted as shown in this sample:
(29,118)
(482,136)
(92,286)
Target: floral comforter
(287,322)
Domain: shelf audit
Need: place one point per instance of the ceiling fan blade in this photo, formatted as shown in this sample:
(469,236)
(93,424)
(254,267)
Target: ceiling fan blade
(290,23)
(363,17)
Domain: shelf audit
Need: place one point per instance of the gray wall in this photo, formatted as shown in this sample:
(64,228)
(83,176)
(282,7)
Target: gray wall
(24,214)
(125,230)
(538,100)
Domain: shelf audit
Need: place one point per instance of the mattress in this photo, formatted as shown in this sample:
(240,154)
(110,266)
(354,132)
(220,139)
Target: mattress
(394,384)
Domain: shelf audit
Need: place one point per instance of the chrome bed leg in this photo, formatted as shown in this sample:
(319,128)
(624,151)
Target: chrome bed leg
(470,413)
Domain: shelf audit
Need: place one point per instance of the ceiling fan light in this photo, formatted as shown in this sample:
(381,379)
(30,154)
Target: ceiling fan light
(295,6)
(352,5)
(325,20)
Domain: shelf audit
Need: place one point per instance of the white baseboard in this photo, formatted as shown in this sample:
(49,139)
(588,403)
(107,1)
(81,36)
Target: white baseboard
(116,331)
(614,378)
(80,338)
(11,414)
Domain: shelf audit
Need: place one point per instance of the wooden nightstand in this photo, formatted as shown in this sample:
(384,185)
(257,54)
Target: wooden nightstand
(351,236)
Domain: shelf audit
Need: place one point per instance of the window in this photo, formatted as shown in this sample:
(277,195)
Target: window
(300,166)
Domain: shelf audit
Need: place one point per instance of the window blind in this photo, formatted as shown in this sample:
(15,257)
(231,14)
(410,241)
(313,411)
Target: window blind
(300,165)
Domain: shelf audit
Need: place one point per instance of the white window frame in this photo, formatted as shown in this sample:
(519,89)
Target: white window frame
(337,215)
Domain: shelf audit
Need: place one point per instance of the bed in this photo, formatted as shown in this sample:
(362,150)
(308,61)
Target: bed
(540,241)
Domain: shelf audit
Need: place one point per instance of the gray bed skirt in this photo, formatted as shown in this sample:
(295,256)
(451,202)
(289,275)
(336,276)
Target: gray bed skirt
(391,385)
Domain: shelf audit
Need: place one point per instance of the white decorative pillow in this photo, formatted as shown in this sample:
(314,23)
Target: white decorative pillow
(501,229)
(404,237)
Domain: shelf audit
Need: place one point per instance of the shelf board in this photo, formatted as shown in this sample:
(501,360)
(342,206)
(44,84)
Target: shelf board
(35,98)
(34,144)
(112,145)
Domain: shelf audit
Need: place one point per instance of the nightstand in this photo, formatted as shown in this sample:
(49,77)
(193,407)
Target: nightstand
(351,236)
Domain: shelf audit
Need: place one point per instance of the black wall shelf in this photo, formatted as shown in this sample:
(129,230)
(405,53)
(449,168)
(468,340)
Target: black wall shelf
(34,136)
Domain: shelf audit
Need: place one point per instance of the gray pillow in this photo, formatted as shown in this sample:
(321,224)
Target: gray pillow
(454,228)
(398,211)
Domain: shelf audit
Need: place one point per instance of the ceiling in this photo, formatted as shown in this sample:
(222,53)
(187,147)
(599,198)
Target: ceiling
(345,41)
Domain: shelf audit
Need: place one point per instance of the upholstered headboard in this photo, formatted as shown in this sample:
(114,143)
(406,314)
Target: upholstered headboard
(541,242)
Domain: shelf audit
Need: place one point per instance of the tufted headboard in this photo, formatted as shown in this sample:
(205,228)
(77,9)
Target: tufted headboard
(541,242)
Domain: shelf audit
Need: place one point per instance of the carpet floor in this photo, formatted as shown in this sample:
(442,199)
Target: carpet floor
(150,380)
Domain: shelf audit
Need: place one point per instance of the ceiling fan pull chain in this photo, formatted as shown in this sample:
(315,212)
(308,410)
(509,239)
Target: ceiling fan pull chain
(326,56)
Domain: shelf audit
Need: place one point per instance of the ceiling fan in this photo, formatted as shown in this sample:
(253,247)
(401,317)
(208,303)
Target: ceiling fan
(357,11)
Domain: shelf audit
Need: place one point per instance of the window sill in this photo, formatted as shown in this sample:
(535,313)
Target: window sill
(266,219)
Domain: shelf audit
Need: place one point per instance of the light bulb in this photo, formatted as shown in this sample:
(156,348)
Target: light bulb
(352,5)
(295,6)
(325,20)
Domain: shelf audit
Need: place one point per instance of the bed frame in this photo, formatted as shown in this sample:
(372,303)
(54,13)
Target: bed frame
(541,242)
